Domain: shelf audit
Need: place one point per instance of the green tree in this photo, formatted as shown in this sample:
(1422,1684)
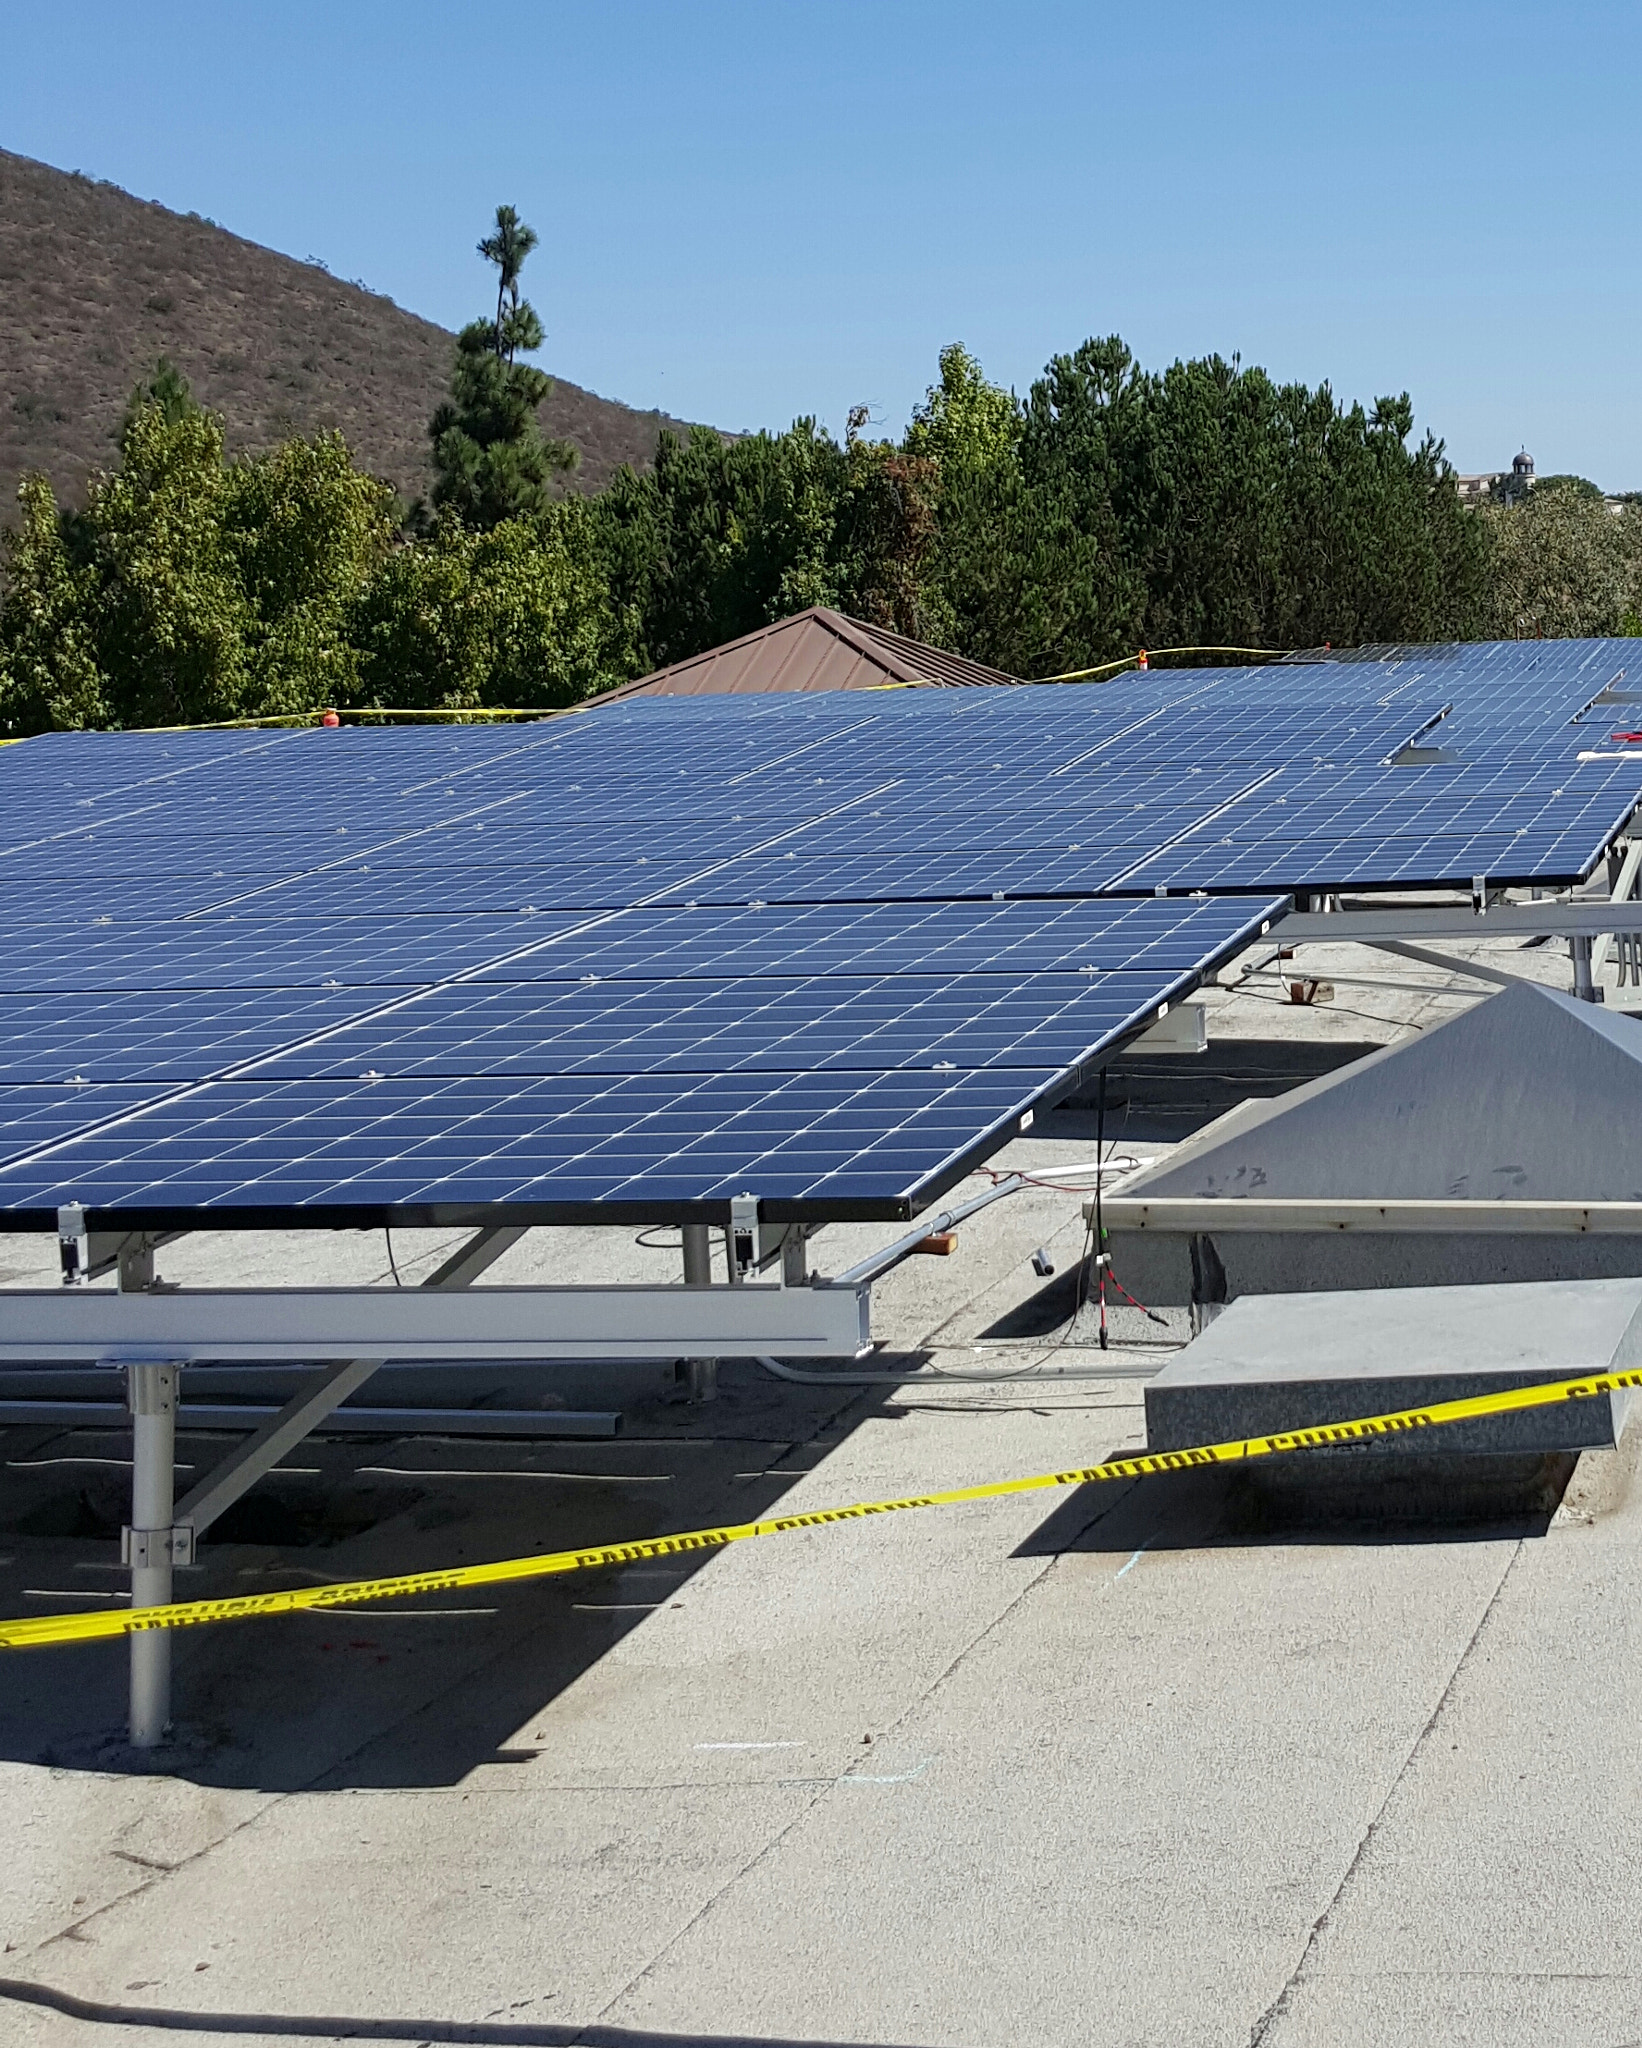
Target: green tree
(50,679)
(167,388)
(964,424)
(172,616)
(491,460)
(190,589)
(507,246)
(519,615)
(1562,564)
(1203,506)
(721,537)
(305,532)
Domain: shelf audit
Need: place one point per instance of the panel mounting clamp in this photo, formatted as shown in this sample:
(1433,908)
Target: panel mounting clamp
(73,1244)
(743,1235)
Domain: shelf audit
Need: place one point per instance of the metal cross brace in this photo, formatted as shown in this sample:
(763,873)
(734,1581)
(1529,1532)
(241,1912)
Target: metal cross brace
(262,1451)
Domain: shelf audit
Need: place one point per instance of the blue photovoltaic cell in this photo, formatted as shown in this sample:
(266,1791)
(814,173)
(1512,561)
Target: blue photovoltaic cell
(36,1115)
(828,948)
(179,1035)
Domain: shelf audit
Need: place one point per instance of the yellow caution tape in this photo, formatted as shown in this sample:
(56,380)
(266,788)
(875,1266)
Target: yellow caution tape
(119,1621)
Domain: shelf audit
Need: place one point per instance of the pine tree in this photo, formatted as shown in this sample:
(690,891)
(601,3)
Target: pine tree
(492,460)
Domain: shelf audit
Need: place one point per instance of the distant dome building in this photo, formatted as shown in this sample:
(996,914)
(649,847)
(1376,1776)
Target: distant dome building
(1505,486)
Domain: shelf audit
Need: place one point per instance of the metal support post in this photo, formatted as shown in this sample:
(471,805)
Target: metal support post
(1585,987)
(1624,868)
(698,1255)
(700,1374)
(149,1544)
(793,1269)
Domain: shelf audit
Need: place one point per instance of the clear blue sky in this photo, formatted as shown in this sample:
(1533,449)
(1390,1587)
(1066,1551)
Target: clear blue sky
(750,211)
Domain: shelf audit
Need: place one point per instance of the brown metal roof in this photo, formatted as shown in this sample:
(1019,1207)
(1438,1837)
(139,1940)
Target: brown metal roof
(813,650)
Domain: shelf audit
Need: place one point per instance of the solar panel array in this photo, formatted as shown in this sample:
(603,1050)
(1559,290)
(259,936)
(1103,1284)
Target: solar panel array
(828,950)
(447,975)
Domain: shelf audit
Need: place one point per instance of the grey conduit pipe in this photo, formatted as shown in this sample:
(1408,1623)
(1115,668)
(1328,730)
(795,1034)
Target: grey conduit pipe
(918,1377)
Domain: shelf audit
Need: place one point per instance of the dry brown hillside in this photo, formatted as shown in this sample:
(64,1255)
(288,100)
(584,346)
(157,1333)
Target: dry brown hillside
(96,285)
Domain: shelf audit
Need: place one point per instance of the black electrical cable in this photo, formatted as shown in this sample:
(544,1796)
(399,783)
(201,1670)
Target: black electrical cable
(392,1266)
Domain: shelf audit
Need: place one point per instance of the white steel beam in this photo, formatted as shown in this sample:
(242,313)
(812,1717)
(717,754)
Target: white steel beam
(344,1421)
(1498,921)
(371,1325)
(1206,1214)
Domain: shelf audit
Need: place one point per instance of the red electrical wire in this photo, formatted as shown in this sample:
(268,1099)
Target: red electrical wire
(1128,1297)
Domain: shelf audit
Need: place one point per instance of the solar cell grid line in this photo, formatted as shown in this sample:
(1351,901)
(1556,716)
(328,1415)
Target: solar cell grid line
(68,834)
(211,757)
(343,951)
(1123,726)
(33,1114)
(1591,818)
(805,747)
(1122,876)
(119,898)
(1263,729)
(355,854)
(583,887)
(1019,832)
(1435,798)
(1551,829)
(874,877)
